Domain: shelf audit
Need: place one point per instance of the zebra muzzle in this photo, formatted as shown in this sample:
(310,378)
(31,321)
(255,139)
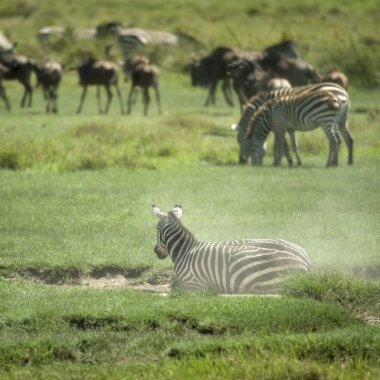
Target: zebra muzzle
(160,255)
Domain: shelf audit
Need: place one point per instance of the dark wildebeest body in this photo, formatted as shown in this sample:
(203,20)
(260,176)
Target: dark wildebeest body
(49,77)
(144,75)
(208,71)
(19,68)
(295,70)
(215,67)
(336,76)
(98,73)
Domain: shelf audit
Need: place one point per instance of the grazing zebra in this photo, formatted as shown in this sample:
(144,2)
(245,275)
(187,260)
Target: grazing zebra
(302,112)
(257,101)
(130,39)
(237,266)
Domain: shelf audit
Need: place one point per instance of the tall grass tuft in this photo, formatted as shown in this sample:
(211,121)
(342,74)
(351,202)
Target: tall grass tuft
(358,295)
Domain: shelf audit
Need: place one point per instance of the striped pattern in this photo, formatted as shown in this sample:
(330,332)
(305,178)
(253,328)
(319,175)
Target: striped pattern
(300,112)
(130,39)
(238,266)
(259,100)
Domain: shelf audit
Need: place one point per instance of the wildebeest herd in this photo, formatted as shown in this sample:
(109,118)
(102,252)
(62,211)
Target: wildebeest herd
(296,96)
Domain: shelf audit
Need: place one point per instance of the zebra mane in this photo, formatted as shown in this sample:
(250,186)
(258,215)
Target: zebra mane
(172,216)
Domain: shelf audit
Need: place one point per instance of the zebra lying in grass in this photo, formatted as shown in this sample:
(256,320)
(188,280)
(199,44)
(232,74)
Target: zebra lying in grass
(301,112)
(237,266)
(259,100)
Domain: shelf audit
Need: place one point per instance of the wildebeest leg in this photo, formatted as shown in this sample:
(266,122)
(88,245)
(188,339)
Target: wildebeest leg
(129,104)
(120,98)
(156,90)
(82,99)
(54,96)
(45,91)
(98,99)
(226,88)
(3,94)
(28,91)
(293,140)
(146,98)
(211,94)
(109,98)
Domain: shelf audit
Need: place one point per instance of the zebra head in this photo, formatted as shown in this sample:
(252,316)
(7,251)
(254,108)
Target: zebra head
(165,222)
(243,142)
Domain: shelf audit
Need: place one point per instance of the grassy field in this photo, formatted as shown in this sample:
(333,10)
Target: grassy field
(77,232)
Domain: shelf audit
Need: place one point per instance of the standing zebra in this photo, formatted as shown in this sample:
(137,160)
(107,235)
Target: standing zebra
(130,39)
(237,266)
(257,101)
(302,112)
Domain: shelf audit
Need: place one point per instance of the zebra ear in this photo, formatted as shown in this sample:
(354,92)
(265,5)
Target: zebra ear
(157,212)
(177,211)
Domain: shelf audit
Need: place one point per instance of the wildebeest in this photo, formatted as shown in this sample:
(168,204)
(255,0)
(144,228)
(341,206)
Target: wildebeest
(248,78)
(297,71)
(336,76)
(208,71)
(99,73)
(19,68)
(144,75)
(49,77)
(215,67)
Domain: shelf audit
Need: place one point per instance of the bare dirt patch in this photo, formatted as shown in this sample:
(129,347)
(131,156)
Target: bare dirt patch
(119,281)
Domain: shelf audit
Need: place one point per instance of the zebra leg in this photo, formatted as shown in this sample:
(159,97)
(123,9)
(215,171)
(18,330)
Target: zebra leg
(82,99)
(109,98)
(287,153)
(120,98)
(332,159)
(344,131)
(293,140)
(279,144)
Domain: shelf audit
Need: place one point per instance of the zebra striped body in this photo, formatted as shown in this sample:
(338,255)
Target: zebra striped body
(301,112)
(259,100)
(238,266)
(130,39)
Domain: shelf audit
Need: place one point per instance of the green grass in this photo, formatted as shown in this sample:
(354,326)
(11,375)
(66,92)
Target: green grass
(76,194)
(52,329)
